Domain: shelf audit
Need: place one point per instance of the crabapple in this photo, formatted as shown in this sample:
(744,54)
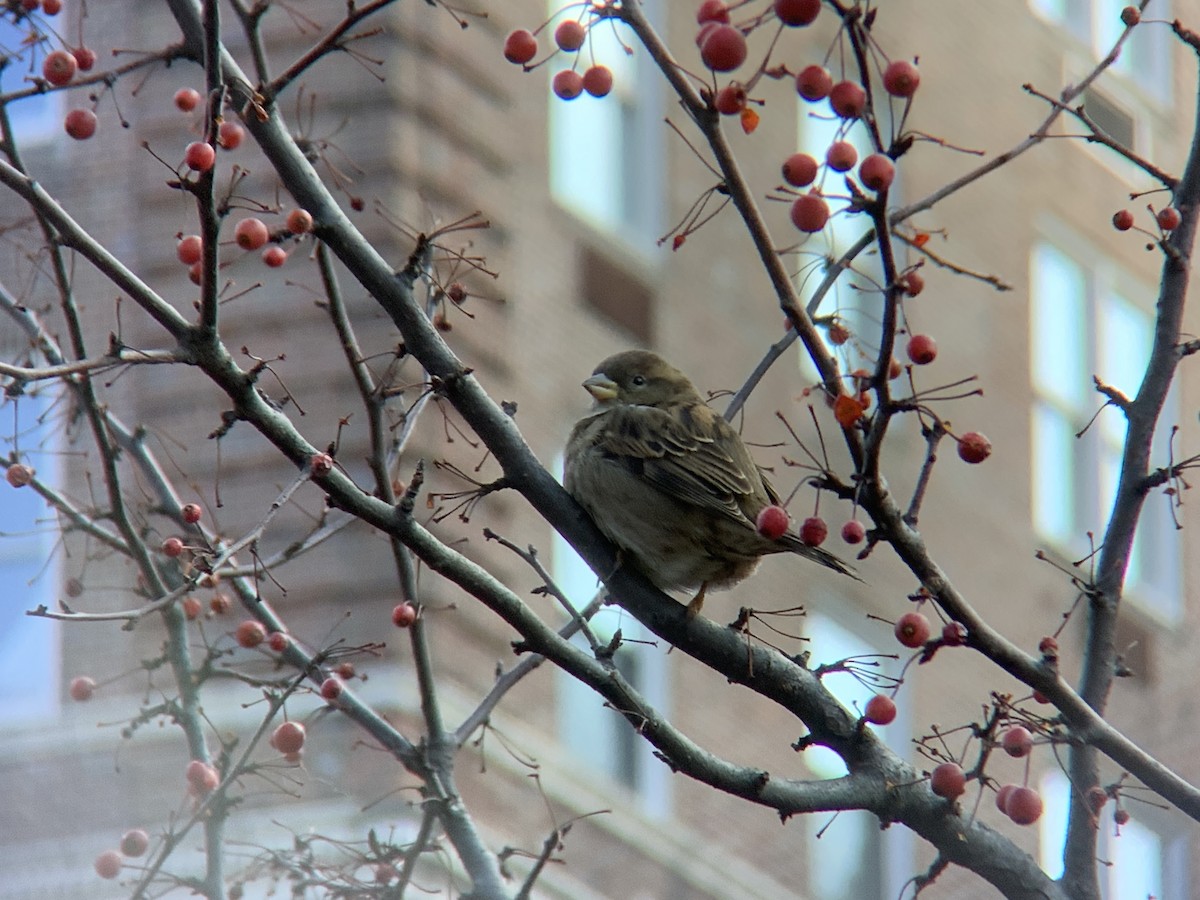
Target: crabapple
(877,172)
(724,49)
(912,283)
(199,156)
(172,547)
(251,234)
(1130,16)
(81,688)
(841,156)
(202,777)
(135,842)
(52,7)
(299,221)
(85,58)
(191,513)
(848,99)
(922,349)
(250,633)
(59,67)
(320,464)
(901,78)
(567,84)
(731,99)
(108,864)
(1122,220)
(814,83)
(191,608)
(598,80)
(799,170)
(912,629)
(520,46)
(948,780)
(810,212)
(278,641)
(274,257)
(288,737)
(954,634)
(404,614)
(1168,218)
(813,531)
(880,710)
(712,11)
(230,135)
(772,522)
(220,604)
(187,99)
(18,475)
(189,250)
(570,36)
(853,532)
(345,670)
(974,447)
(1024,806)
(1017,741)
(1002,796)
(794,13)
(80,124)
(332,687)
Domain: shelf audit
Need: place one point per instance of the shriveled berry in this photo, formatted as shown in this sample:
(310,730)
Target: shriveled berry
(320,464)
(954,634)
(202,777)
(1130,16)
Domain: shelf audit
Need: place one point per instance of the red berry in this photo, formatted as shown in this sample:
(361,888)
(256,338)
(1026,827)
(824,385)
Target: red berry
(187,99)
(320,464)
(172,547)
(1048,646)
(202,777)
(191,608)
(772,522)
(877,172)
(731,99)
(52,7)
(1122,220)
(881,710)
(813,531)
(457,294)
(108,864)
(724,49)
(230,135)
(954,634)
(345,670)
(251,234)
(299,221)
(1017,741)
(288,737)
(800,170)
(922,349)
(974,447)
(189,250)
(1096,797)
(1169,218)
(797,12)
(948,781)
(912,283)
(81,688)
(853,532)
(274,257)
(810,213)
(567,84)
(191,513)
(841,156)
(1002,796)
(912,629)
(1024,806)
(135,842)
(838,334)
(250,633)
(278,641)
(520,46)
(814,83)
(1121,816)
(848,99)
(901,78)
(570,35)
(1130,16)
(220,604)
(194,273)
(18,475)
(199,156)
(404,615)
(59,67)
(712,11)
(85,58)
(332,687)
(30,5)
(80,124)
(598,81)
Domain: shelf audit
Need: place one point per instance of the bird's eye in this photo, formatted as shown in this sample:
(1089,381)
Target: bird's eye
(638,380)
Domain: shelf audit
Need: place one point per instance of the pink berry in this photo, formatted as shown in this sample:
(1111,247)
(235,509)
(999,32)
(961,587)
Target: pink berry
(848,99)
(1122,220)
(345,670)
(877,172)
(108,864)
(814,83)
(278,641)
(948,781)
(332,687)
(251,234)
(288,737)
(913,630)
(731,99)
(1024,806)
(841,156)
(230,135)
(712,11)
(1017,741)
(810,212)
(52,7)
(1002,796)
(974,447)
(81,688)
(954,634)
(800,170)
(1169,218)
(191,513)
(403,615)
(880,710)
(80,124)
(191,608)
(299,221)
(772,522)
(1121,816)
(135,842)
(853,532)
(922,349)
(85,58)
(187,99)
(18,475)
(520,46)
(59,67)
(794,13)
(202,777)
(912,283)
(172,547)
(724,49)
(274,256)
(220,604)
(598,81)
(570,36)
(567,84)
(189,250)
(813,531)
(320,464)
(199,156)
(901,78)
(250,633)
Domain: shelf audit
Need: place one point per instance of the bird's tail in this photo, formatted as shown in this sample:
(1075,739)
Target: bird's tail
(824,557)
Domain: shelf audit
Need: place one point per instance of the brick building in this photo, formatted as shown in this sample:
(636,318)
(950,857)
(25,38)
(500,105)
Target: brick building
(577,196)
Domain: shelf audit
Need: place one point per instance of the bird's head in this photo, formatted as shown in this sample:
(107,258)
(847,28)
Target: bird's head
(641,378)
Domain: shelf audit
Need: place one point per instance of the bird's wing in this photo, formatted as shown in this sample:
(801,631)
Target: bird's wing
(688,452)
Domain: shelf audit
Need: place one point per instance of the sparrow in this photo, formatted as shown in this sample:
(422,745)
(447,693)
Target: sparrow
(670,482)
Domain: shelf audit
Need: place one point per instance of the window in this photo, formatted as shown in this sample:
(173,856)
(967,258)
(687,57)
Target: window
(35,118)
(1082,323)
(599,737)
(29,648)
(1145,59)
(1147,855)
(607,155)
(850,857)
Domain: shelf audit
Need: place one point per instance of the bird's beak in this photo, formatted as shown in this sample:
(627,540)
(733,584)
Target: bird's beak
(601,387)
